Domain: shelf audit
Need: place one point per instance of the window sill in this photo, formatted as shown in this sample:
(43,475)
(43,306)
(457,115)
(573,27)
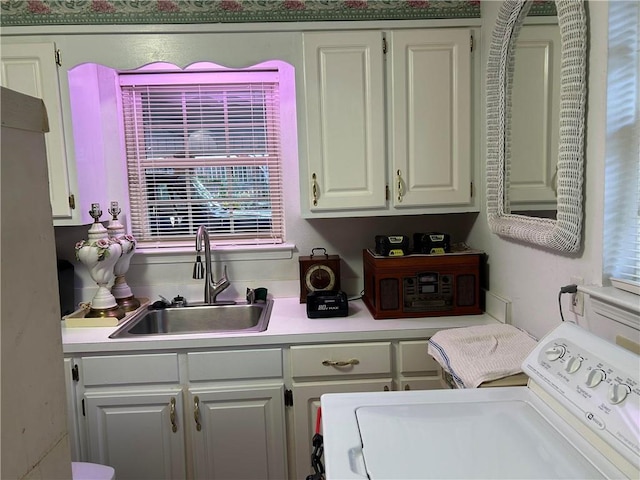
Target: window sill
(150,255)
(614,303)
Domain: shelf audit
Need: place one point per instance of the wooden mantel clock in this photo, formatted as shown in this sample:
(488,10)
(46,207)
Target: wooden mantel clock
(318,272)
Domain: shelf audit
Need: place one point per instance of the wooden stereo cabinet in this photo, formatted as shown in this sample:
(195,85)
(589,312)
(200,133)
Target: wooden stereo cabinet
(422,285)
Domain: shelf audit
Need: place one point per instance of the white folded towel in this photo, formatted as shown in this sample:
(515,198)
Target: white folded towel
(473,355)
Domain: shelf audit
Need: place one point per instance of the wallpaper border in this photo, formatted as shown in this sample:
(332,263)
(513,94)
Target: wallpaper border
(127,12)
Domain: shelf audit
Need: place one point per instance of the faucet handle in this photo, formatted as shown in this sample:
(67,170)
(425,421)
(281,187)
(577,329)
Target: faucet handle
(224,274)
(251,295)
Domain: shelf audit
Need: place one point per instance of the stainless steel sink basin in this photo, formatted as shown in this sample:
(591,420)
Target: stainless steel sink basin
(240,317)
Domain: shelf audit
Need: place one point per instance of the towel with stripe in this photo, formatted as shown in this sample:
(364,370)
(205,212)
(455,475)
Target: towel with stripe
(473,355)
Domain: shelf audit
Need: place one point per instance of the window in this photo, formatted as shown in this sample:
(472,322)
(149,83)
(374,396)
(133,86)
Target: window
(203,148)
(622,176)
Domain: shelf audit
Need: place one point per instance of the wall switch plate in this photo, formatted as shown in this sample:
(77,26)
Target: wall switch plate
(577,299)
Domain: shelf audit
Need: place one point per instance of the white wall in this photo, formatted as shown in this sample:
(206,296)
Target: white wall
(531,277)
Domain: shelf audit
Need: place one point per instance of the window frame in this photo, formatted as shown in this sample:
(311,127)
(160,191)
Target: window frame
(272,73)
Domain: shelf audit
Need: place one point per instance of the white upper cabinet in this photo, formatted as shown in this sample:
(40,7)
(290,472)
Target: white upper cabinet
(31,69)
(76,180)
(430,117)
(344,85)
(386,133)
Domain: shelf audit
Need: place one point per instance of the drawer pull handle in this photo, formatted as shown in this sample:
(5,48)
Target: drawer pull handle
(172,415)
(196,412)
(400,189)
(340,363)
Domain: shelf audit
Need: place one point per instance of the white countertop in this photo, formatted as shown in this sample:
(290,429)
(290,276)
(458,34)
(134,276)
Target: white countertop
(288,325)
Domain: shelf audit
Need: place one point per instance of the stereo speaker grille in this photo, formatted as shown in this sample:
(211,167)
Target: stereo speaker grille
(389,297)
(465,290)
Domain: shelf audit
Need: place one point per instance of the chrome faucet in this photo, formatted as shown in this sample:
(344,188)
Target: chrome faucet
(211,288)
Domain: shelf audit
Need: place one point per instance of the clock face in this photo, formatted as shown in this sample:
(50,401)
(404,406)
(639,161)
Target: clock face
(318,273)
(320,277)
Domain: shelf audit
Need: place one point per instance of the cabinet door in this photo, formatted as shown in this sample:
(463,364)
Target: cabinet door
(72,410)
(306,400)
(430,120)
(238,432)
(345,146)
(31,69)
(416,368)
(422,383)
(139,433)
(535,115)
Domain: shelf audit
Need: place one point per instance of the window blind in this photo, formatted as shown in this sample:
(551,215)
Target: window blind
(203,148)
(622,171)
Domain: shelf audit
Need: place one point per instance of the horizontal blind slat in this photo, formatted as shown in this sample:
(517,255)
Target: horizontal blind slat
(203,154)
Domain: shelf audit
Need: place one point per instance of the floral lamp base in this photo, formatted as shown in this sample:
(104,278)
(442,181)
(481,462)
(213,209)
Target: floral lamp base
(100,254)
(123,295)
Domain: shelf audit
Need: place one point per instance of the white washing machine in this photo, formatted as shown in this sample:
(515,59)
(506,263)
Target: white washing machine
(578,418)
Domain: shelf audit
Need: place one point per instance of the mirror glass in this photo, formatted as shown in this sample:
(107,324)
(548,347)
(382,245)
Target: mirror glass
(563,230)
(535,113)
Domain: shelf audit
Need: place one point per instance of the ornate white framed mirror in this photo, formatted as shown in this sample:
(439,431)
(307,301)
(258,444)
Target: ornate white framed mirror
(563,233)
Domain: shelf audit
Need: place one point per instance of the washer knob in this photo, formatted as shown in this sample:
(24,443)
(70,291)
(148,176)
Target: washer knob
(595,377)
(573,364)
(555,352)
(618,392)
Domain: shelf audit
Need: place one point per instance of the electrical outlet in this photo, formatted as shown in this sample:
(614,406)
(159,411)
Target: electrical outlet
(577,299)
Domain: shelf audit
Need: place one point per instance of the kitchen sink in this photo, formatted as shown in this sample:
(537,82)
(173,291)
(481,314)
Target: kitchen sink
(239,317)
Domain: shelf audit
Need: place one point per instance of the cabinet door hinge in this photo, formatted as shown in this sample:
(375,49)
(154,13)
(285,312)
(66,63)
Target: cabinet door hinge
(471,43)
(384,45)
(58,57)
(84,413)
(288,398)
(75,374)
(72,202)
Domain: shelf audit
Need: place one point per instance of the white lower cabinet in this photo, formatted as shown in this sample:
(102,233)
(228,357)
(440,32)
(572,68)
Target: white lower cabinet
(238,432)
(417,370)
(347,368)
(221,414)
(205,415)
(306,401)
(140,433)
(332,368)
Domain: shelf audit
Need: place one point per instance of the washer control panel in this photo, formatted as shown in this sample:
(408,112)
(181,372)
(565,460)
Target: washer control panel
(594,379)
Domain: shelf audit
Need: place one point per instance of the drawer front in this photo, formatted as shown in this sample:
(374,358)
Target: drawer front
(235,365)
(414,359)
(421,383)
(130,369)
(341,359)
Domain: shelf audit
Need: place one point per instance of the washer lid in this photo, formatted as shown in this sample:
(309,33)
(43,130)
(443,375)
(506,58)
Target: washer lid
(497,440)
